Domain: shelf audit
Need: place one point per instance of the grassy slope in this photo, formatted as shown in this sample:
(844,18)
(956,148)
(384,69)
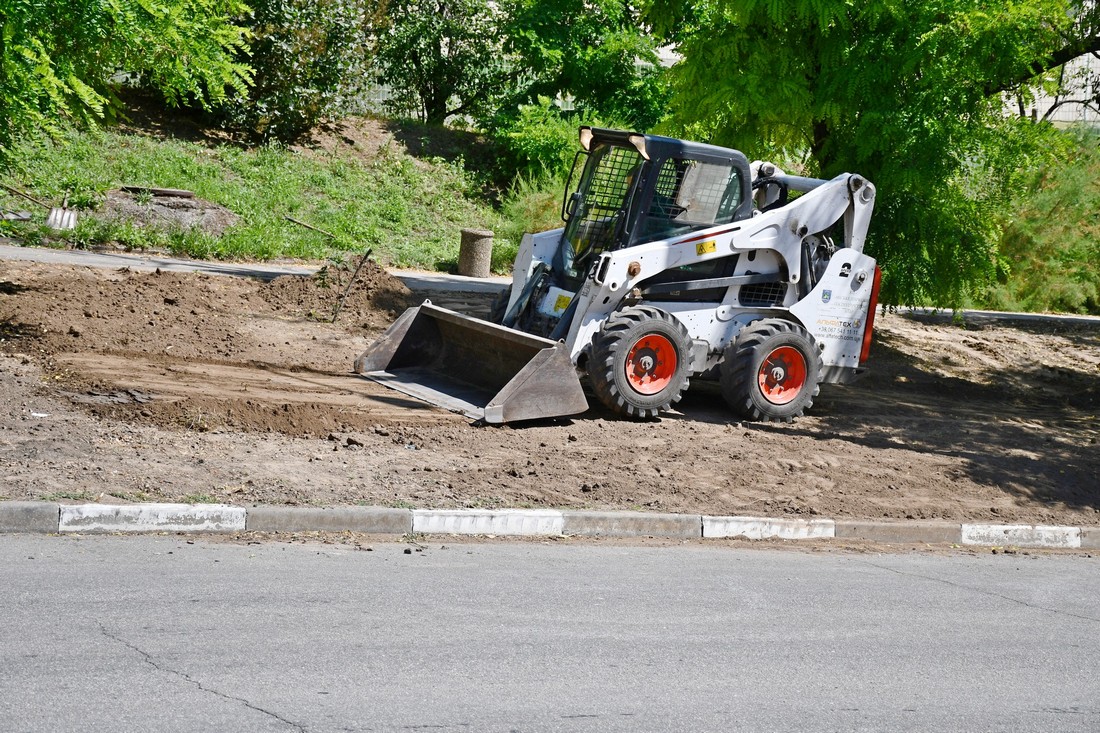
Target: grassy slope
(409,211)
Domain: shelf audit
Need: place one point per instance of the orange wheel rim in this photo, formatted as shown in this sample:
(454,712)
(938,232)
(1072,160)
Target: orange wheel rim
(651,364)
(782,375)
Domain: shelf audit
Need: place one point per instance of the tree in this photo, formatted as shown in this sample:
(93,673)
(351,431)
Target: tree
(908,94)
(441,57)
(1074,82)
(310,59)
(59,58)
(1051,243)
(594,51)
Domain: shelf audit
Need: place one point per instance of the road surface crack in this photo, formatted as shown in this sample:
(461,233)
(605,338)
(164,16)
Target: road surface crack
(151,661)
(990,593)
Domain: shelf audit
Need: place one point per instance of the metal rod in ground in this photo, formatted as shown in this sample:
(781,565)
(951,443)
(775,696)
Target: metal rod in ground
(301,223)
(363,261)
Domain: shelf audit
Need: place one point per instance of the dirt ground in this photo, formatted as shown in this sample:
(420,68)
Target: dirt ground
(121,386)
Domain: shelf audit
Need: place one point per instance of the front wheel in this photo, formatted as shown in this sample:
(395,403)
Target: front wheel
(771,371)
(640,362)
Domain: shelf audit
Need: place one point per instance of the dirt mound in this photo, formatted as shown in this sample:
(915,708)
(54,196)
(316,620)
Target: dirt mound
(348,289)
(167,386)
(190,316)
(121,311)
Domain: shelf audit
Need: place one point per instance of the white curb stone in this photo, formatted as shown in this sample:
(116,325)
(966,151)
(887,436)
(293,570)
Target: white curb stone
(1021,535)
(488,521)
(152,518)
(758,528)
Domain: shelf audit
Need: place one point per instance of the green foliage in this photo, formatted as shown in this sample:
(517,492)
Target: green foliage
(905,94)
(531,205)
(541,142)
(58,57)
(410,212)
(485,60)
(1051,245)
(310,59)
(440,58)
(593,51)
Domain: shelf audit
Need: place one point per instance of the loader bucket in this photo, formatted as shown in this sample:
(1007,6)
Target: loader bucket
(475,367)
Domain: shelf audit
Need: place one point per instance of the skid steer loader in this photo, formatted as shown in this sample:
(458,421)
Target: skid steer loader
(677,260)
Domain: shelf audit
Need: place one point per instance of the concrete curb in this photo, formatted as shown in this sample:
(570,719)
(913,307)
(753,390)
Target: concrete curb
(916,531)
(374,520)
(760,528)
(507,522)
(28,516)
(1021,535)
(151,518)
(631,524)
(48,517)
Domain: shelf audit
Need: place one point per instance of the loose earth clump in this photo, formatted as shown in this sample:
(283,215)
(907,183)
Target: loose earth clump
(129,386)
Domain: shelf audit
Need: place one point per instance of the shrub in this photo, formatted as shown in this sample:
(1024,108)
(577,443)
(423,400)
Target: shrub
(1050,249)
(59,59)
(541,142)
(310,59)
(531,205)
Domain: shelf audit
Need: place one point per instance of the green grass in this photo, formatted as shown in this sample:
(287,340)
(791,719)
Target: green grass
(409,211)
(82,495)
(531,205)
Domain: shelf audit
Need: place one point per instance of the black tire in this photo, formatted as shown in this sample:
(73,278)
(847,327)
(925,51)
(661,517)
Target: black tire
(771,371)
(640,362)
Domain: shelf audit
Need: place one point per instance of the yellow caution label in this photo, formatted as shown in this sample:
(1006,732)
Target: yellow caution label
(706,248)
(561,303)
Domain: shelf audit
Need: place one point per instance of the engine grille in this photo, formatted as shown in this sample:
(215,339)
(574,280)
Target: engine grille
(762,295)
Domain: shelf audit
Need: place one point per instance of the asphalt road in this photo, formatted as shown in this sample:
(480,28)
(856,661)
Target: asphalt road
(156,633)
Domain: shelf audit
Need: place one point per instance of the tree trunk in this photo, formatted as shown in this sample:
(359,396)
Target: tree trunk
(435,108)
(820,149)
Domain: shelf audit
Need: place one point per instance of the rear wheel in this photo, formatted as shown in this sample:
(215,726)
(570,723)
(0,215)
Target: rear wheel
(640,362)
(772,371)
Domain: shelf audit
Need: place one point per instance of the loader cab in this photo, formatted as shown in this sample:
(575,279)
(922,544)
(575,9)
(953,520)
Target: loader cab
(638,188)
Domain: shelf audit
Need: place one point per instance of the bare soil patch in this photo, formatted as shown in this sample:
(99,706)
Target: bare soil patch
(123,386)
(172,213)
